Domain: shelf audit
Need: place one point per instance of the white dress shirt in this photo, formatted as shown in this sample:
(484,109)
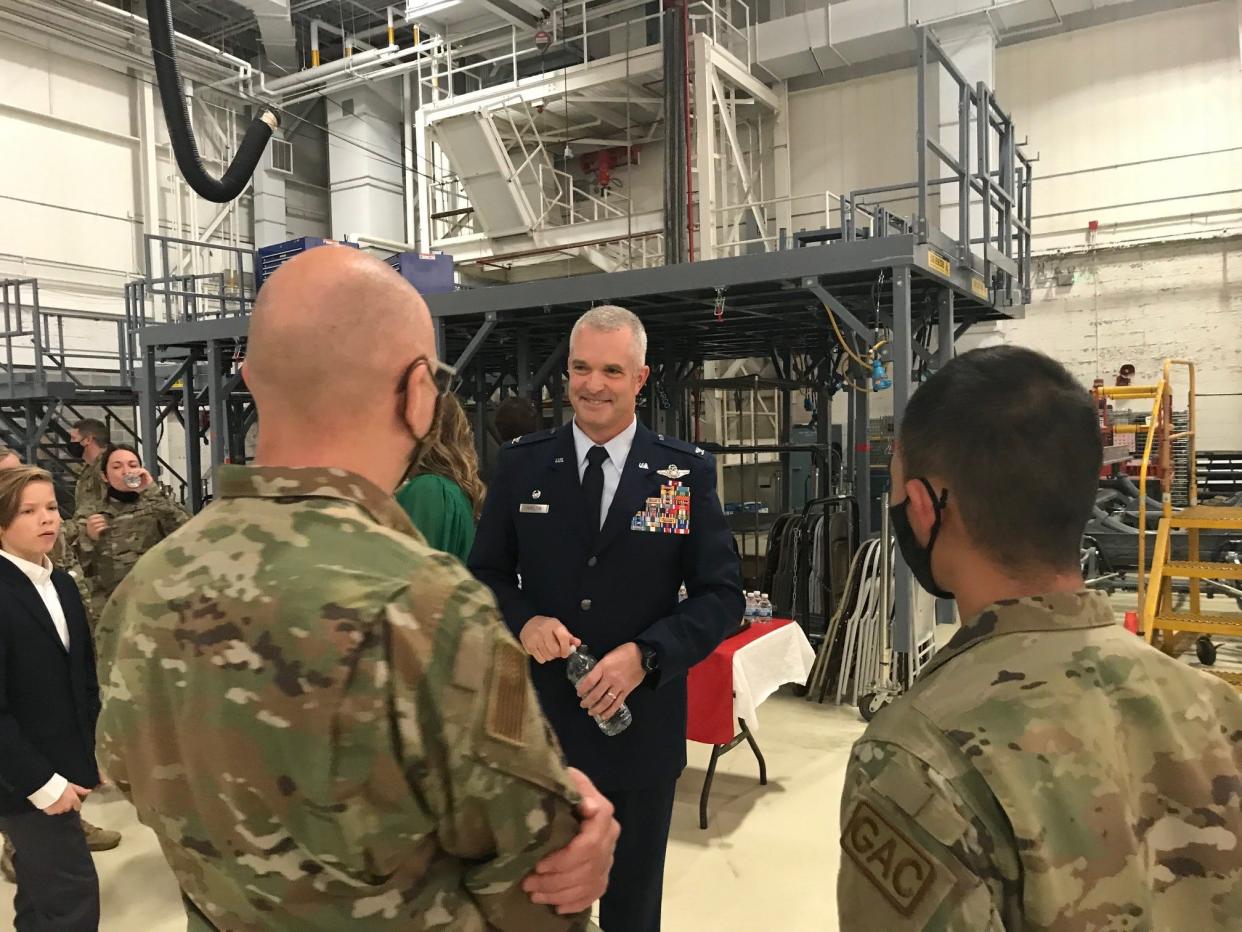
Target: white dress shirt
(618,452)
(41,576)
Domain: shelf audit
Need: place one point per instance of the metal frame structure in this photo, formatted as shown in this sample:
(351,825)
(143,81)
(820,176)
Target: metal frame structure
(773,305)
(875,280)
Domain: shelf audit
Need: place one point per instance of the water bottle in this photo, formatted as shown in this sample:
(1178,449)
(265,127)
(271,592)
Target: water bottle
(765,607)
(751,605)
(579,664)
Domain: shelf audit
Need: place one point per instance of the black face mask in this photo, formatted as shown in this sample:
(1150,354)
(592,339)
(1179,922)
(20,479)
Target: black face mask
(918,557)
(127,497)
(76,450)
(420,446)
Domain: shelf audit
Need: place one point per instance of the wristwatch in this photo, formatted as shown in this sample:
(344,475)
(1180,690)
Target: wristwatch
(651,658)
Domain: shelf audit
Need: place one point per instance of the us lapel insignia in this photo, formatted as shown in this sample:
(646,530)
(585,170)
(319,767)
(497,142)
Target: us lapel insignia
(672,472)
(643,466)
(559,459)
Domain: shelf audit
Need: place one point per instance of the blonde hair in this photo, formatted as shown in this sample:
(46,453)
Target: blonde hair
(450,452)
(13,483)
(609,318)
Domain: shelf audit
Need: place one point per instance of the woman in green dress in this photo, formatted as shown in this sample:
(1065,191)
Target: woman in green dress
(446,494)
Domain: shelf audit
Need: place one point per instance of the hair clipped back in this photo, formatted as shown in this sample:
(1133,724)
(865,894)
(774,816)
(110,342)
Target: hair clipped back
(1016,439)
(610,318)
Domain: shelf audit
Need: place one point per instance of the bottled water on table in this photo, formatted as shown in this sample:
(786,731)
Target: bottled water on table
(765,607)
(752,605)
(579,663)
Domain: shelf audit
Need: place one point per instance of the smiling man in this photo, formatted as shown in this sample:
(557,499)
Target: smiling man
(605,520)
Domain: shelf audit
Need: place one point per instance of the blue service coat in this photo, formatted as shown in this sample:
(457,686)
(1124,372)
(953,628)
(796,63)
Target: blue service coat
(609,588)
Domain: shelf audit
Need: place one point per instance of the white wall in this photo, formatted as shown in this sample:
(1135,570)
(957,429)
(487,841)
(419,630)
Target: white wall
(1147,88)
(1159,278)
(71,190)
(1141,304)
(1152,87)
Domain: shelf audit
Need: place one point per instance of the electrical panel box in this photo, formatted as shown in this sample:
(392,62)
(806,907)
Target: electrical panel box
(273,257)
(430,273)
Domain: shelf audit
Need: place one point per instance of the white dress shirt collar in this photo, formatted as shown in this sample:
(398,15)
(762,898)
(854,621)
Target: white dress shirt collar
(39,574)
(618,447)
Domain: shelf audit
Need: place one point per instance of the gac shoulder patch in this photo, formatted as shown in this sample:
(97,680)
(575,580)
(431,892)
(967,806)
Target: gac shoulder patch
(887,858)
(506,702)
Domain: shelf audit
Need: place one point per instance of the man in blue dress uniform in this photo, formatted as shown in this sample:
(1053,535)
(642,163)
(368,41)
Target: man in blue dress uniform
(588,532)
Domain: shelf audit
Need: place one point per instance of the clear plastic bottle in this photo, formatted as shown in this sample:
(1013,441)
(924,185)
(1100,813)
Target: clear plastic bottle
(579,663)
(752,605)
(765,607)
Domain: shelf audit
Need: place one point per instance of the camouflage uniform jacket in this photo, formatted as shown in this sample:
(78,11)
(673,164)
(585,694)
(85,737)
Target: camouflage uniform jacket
(325,722)
(133,529)
(1048,771)
(90,492)
(64,556)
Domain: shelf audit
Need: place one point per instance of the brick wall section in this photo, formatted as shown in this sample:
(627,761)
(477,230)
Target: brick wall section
(1139,305)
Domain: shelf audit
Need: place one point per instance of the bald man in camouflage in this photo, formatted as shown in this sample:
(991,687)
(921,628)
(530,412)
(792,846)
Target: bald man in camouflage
(323,719)
(1048,770)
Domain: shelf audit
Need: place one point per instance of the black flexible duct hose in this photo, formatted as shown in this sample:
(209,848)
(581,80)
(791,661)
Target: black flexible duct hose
(172,96)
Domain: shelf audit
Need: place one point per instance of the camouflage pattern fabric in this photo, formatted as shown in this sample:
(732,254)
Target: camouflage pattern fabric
(90,492)
(133,529)
(325,721)
(64,556)
(1048,771)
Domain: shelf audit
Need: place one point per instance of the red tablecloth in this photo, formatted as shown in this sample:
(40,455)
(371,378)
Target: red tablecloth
(710,686)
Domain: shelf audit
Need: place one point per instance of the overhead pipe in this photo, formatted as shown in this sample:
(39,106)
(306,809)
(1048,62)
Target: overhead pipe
(310,76)
(348,40)
(177,119)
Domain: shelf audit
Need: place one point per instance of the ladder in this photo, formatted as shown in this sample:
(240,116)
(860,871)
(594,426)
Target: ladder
(1155,594)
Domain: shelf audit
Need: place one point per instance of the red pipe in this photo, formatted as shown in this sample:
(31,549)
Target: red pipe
(685,32)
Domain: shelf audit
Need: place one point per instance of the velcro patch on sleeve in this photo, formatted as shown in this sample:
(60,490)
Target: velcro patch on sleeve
(901,872)
(506,702)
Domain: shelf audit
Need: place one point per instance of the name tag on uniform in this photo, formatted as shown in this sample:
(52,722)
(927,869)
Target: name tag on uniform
(530,508)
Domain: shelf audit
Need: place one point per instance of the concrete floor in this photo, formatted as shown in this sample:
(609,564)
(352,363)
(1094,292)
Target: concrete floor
(763,846)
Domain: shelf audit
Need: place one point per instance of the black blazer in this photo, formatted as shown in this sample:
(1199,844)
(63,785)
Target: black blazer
(49,697)
(611,587)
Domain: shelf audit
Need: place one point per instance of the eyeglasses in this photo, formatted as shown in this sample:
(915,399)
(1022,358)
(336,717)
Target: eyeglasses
(442,375)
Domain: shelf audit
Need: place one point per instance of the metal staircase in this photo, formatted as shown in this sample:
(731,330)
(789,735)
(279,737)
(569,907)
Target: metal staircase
(1155,594)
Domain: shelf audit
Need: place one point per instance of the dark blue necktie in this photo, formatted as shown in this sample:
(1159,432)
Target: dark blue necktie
(593,487)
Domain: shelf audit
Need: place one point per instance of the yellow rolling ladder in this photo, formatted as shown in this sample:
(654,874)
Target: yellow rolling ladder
(1155,595)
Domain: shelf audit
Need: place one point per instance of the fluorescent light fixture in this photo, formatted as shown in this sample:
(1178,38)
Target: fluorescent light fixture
(415,9)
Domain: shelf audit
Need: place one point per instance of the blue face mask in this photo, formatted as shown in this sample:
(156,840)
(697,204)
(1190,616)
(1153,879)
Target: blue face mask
(918,557)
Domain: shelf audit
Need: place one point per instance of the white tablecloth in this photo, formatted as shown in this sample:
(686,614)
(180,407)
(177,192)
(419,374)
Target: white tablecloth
(782,656)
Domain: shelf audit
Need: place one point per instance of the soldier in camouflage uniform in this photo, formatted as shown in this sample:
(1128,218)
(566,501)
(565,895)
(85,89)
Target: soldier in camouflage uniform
(125,525)
(1048,770)
(89,439)
(324,720)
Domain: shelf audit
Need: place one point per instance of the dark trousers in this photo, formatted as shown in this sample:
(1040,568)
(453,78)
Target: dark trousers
(636,885)
(57,888)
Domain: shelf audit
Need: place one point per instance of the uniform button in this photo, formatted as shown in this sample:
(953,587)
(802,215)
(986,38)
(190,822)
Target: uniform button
(585,605)
(592,561)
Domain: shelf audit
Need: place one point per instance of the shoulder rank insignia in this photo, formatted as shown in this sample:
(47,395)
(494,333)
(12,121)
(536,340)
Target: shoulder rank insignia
(672,472)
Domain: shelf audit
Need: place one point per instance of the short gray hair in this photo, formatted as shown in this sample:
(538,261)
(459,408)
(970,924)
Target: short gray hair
(610,318)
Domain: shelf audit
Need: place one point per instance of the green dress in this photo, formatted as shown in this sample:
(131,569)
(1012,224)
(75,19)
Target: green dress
(441,512)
